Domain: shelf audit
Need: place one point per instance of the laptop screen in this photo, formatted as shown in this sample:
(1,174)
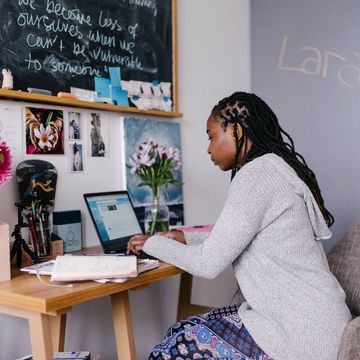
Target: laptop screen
(114,219)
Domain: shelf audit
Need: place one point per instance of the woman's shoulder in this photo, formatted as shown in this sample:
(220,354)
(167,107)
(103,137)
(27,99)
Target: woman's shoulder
(269,171)
(272,171)
(271,164)
(268,164)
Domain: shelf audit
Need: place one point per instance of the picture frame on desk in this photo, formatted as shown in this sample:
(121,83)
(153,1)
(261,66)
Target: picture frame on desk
(67,226)
(5,273)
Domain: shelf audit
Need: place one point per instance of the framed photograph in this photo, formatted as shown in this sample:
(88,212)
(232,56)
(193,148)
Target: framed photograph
(74,125)
(98,135)
(44,131)
(67,225)
(166,133)
(75,157)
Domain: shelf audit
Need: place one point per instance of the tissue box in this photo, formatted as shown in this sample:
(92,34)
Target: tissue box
(4,252)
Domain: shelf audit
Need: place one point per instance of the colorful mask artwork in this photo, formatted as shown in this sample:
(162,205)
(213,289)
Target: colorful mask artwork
(44,131)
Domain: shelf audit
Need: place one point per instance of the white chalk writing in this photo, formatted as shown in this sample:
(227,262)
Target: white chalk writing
(40,42)
(324,63)
(70,33)
(27,3)
(107,56)
(107,22)
(67,14)
(98,37)
(151,4)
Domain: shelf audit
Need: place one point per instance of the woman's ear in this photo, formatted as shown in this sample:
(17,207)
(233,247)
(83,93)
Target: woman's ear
(239,130)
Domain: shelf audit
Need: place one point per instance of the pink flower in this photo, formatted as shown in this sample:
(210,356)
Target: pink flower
(174,155)
(145,154)
(154,163)
(134,163)
(147,160)
(5,163)
(163,152)
(144,148)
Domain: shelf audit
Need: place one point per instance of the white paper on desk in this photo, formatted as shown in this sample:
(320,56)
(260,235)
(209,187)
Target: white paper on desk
(44,268)
(142,264)
(79,268)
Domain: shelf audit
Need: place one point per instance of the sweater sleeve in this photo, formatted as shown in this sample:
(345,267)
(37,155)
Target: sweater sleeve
(195,238)
(248,209)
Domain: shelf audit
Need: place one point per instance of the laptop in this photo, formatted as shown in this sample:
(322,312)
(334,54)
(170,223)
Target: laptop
(115,221)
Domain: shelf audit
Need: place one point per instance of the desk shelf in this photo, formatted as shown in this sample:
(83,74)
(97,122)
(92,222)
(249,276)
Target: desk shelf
(47,99)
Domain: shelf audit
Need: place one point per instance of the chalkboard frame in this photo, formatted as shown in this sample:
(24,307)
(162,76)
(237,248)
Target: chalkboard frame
(25,96)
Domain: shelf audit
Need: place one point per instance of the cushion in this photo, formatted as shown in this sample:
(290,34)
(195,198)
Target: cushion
(344,262)
(350,341)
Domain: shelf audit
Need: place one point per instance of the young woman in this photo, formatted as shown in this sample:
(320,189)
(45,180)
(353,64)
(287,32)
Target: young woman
(270,231)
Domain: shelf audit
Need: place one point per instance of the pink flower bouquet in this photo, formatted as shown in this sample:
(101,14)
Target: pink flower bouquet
(154,164)
(5,163)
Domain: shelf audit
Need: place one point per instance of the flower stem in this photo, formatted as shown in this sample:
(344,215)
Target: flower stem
(156,203)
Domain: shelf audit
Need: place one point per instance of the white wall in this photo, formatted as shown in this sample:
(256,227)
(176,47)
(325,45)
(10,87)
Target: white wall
(213,44)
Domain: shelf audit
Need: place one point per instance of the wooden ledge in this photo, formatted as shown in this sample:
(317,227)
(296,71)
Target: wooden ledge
(47,99)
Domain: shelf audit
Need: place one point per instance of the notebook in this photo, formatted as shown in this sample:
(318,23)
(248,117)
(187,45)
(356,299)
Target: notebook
(80,268)
(115,221)
(46,268)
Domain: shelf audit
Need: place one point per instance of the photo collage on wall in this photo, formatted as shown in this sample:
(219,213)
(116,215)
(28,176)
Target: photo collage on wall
(165,133)
(53,131)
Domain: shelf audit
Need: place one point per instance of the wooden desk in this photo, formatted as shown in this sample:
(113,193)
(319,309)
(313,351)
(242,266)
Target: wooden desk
(45,307)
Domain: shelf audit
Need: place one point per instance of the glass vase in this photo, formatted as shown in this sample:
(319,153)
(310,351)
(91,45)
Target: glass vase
(156,217)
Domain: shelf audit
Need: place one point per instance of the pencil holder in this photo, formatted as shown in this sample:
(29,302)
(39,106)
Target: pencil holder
(37,183)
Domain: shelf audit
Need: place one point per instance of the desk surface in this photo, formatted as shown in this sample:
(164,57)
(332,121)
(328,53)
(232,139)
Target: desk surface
(27,292)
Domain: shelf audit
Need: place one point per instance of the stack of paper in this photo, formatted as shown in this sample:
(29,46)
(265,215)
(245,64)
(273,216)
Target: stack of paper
(78,268)
(94,269)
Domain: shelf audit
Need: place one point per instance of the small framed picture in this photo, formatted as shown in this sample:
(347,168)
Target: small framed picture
(44,131)
(75,157)
(74,126)
(98,135)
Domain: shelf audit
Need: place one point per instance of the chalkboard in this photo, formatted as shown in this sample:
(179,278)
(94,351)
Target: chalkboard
(306,65)
(55,44)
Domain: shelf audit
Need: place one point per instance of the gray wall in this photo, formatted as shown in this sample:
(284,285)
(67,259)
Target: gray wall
(305,62)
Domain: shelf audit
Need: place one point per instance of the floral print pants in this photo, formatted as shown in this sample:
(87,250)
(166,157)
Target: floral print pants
(218,334)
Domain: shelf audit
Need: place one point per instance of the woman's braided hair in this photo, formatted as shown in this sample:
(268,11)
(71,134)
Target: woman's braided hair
(260,125)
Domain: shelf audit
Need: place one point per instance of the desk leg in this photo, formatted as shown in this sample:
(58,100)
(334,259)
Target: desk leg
(124,337)
(185,308)
(58,326)
(40,334)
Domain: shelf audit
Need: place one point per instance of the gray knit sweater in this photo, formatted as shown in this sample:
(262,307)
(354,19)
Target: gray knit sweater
(269,230)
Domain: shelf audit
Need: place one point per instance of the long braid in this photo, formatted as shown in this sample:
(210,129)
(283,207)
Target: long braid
(261,126)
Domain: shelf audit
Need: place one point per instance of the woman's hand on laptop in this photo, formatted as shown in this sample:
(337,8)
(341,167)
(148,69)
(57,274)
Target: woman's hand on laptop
(136,243)
(177,235)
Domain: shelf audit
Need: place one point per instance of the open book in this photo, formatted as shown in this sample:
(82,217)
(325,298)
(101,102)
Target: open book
(80,267)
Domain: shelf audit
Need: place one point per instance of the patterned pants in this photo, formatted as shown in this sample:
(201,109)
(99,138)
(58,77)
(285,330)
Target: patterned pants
(218,334)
